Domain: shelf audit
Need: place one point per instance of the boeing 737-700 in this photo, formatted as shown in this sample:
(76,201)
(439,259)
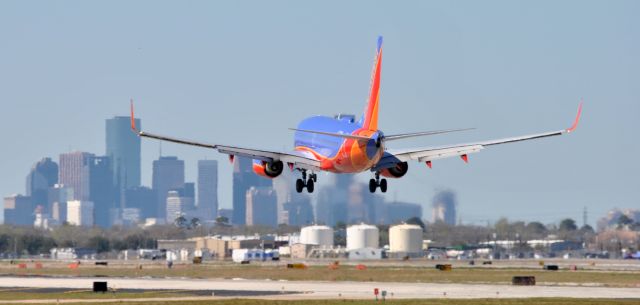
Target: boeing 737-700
(343,145)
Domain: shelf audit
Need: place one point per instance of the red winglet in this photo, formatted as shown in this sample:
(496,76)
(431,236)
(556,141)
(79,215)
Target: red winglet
(429,164)
(133,120)
(577,120)
(465,158)
(231,157)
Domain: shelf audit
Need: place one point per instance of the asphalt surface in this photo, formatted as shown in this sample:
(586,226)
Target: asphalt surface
(328,290)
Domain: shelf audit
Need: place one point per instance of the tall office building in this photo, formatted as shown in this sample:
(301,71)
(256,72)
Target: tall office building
(261,207)
(80,213)
(208,189)
(59,195)
(143,199)
(444,207)
(74,173)
(243,179)
(179,204)
(43,175)
(123,147)
(102,192)
(18,210)
(298,212)
(168,174)
(397,212)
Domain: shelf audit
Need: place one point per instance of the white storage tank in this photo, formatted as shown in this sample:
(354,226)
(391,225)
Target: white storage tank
(405,238)
(362,236)
(317,235)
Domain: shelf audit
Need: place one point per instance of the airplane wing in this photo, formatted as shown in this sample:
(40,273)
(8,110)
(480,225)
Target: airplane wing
(297,159)
(428,154)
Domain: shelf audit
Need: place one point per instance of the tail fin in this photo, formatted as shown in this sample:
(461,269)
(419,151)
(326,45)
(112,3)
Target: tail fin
(370,119)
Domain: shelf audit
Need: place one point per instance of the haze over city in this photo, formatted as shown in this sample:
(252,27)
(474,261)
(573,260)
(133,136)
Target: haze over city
(241,74)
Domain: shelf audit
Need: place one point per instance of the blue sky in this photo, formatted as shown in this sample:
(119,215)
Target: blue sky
(242,72)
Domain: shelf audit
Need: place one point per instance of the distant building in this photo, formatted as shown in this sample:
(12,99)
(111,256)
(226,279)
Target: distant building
(178,204)
(243,179)
(43,175)
(141,198)
(58,197)
(444,207)
(74,173)
(397,212)
(102,192)
(168,174)
(207,189)
(123,147)
(18,210)
(298,212)
(261,207)
(80,213)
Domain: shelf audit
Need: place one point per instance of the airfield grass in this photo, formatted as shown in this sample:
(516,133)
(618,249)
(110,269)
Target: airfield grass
(426,274)
(537,301)
(16,294)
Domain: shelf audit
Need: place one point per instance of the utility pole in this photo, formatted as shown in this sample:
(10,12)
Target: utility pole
(584,216)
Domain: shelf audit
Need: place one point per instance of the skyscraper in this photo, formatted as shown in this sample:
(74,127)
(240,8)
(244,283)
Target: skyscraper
(43,175)
(74,173)
(101,190)
(80,213)
(168,174)
(444,207)
(243,179)
(208,189)
(143,199)
(261,207)
(123,147)
(18,210)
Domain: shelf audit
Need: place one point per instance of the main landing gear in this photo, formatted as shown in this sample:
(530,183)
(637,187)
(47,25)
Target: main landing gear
(306,183)
(377,182)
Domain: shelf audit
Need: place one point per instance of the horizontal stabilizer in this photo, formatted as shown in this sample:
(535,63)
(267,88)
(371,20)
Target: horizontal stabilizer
(421,134)
(340,135)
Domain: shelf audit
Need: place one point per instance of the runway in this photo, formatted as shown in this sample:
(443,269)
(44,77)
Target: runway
(330,290)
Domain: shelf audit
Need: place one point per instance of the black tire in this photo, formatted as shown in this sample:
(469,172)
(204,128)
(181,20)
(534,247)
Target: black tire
(372,185)
(383,185)
(310,186)
(299,185)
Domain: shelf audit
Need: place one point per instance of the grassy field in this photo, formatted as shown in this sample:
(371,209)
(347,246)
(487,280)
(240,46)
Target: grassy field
(538,301)
(344,273)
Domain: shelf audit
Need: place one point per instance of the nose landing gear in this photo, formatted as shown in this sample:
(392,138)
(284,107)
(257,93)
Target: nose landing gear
(377,182)
(309,183)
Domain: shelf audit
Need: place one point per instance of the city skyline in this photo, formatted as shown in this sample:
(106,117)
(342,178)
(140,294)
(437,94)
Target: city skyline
(493,66)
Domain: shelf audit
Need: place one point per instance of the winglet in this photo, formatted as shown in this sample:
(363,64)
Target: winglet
(133,120)
(577,120)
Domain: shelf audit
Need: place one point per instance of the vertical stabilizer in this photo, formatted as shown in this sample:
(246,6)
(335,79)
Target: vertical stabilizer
(370,119)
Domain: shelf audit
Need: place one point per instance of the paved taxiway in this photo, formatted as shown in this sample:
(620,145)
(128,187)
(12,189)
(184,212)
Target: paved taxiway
(324,290)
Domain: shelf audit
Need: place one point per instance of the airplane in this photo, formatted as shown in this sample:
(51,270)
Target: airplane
(341,144)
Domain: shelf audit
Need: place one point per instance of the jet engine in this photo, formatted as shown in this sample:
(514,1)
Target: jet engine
(396,171)
(268,169)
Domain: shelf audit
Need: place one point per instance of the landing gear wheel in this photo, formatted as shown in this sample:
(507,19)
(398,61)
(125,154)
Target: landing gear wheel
(310,186)
(373,185)
(299,185)
(383,185)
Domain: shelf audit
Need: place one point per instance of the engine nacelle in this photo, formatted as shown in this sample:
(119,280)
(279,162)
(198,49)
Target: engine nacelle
(268,169)
(397,171)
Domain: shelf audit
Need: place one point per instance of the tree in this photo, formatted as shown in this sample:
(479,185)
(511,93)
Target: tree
(221,221)
(100,244)
(567,225)
(536,229)
(624,221)
(416,221)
